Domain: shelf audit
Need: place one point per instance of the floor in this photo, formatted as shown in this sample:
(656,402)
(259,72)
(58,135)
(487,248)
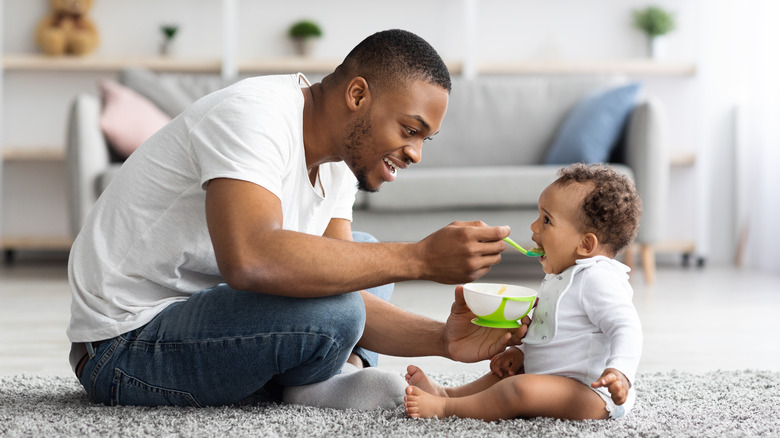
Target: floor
(713,318)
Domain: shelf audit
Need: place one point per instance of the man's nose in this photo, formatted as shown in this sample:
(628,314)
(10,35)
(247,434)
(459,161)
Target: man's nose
(414,152)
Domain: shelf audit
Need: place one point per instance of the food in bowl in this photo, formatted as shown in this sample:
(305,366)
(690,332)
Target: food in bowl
(498,305)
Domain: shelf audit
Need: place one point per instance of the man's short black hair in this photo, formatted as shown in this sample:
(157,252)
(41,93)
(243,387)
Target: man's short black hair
(391,59)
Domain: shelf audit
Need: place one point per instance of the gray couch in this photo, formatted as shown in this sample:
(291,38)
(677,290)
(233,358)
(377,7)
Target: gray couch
(484,164)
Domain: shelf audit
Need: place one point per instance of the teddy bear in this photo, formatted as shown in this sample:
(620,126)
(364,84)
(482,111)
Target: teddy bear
(67,29)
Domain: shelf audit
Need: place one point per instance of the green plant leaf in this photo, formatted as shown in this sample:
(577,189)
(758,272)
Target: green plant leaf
(169,30)
(305,29)
(654,21)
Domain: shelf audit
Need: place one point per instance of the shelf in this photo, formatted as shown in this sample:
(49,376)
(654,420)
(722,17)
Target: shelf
(627,66)
(683,160)
(33,154)
(38,243)
(38,62)
(287,65)
(675,246)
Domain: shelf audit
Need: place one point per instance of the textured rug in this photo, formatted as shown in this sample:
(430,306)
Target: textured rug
(676,404)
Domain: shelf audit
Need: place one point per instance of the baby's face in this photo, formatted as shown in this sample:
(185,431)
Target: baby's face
(556,230)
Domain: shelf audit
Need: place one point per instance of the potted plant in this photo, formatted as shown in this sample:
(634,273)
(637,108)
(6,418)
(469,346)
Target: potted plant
(169,32)
(655,22)
(302,34)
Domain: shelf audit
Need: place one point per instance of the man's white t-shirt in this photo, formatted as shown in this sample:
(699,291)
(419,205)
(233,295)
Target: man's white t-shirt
(145,244)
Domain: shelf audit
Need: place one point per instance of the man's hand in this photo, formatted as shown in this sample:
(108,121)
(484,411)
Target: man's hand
(467,342)
(461,252)
(617,384)
(507,363)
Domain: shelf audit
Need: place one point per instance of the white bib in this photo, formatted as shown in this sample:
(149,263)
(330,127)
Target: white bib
(544,325)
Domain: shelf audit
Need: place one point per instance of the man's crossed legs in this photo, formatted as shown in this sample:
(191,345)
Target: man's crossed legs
(221,346)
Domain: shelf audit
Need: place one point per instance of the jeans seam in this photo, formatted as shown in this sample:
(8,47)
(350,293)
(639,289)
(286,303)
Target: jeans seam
(115,390)
(334,343)
(226,338)
(105,357)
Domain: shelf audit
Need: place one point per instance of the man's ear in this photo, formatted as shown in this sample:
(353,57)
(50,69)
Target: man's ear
(588,245)
(357,94)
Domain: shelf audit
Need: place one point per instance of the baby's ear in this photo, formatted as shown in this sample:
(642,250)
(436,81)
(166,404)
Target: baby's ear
(588,246)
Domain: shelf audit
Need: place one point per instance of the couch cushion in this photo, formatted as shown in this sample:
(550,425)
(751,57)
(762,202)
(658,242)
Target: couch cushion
(171,92)
(474,188)
(404,226)
(463,187)
(507,120)
(593,127)
(127,119)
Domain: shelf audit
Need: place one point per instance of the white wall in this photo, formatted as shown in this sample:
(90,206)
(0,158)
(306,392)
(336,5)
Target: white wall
(508,30)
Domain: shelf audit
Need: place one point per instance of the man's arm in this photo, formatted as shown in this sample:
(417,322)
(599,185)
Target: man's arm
(393,331)
(339,229)
(254,252)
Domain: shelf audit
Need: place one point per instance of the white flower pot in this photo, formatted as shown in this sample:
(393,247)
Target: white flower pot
(657,47)
(303,46)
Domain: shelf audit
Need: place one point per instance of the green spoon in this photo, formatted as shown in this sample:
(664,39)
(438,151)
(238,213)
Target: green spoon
(523,250)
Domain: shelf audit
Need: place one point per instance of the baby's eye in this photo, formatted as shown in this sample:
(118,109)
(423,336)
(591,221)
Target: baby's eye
(546,220)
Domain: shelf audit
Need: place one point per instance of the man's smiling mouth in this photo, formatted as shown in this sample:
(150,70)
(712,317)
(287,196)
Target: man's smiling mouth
(390,164)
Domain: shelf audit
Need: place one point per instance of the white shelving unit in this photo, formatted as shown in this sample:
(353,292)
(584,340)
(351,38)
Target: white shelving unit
(2,164)
(41,63)
(687,248)
(229,66)
(37,62)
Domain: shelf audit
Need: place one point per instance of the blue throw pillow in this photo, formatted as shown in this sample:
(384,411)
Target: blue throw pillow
(593,127)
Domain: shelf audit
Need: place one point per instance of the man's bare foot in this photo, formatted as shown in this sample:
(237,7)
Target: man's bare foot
(420,404)
(416,377)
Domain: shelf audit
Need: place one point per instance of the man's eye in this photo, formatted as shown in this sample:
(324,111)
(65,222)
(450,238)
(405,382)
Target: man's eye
(428,139)
(410,131)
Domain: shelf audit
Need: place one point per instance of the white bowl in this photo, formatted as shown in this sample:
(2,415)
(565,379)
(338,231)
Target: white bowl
(498,305)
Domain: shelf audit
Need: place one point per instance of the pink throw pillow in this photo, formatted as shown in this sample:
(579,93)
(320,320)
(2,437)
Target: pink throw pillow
(127,118)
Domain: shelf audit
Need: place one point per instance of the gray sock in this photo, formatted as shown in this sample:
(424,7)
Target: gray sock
(361,389)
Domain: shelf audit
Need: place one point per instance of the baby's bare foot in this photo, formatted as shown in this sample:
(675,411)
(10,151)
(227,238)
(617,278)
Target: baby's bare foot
(420,404)
(416,377)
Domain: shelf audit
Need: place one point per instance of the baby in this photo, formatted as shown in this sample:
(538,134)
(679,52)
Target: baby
(580,355)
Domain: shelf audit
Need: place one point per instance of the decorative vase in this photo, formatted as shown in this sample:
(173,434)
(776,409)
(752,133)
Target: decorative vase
(165,47)
(303,46)
(656,47)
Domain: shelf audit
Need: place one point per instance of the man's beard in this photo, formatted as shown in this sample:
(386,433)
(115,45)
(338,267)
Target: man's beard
(355,144)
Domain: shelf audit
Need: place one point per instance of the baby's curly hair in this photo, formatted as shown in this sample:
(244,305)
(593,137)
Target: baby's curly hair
(611,209)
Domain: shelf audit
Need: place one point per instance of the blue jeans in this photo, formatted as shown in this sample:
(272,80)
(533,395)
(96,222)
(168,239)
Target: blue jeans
(222,346)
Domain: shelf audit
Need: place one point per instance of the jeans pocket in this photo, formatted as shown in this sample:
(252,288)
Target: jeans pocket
(127,390)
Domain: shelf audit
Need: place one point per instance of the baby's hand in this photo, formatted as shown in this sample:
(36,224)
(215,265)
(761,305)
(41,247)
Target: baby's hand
(617,384)
(507,363)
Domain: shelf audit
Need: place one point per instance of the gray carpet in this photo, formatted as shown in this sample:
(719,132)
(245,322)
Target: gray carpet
(715,404)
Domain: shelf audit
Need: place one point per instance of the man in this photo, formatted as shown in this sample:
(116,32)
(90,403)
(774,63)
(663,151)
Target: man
(220,260)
